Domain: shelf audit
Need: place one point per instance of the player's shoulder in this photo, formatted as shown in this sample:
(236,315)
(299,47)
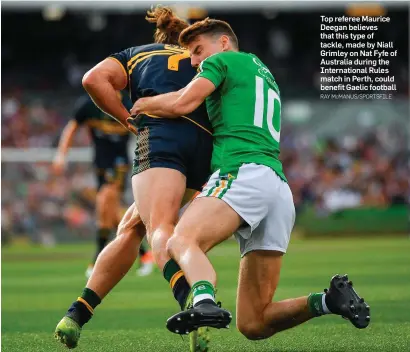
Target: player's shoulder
(146,48)
(240,55)
(135,52)
(227,56)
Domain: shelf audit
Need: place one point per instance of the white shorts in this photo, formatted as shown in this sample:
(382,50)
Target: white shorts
(263,200)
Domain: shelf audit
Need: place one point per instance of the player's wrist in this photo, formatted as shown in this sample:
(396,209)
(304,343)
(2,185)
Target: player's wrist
(60,158)
(132,122)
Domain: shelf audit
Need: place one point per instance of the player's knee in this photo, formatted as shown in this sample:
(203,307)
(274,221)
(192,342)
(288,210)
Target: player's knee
(159,235)
(175,244)
(251,329)
(161,222)
(172,244)
(251,332)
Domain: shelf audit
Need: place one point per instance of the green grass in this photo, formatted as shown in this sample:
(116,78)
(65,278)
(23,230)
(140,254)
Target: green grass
(39,284)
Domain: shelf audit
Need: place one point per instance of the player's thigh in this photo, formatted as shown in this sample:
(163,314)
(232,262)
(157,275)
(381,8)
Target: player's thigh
(259,273)
(158,193)
(228,200)
(108,198)
(159,170)
(207,221)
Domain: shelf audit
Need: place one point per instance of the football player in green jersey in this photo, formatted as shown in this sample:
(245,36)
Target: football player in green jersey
(247,194)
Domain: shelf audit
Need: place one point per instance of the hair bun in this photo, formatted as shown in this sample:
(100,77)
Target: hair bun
(164,21)
(169,26)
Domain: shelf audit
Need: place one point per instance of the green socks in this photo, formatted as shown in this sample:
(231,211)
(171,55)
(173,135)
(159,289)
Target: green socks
(317,304)
(203,292)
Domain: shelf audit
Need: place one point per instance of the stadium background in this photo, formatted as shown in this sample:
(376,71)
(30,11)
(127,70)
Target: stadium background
(347,163)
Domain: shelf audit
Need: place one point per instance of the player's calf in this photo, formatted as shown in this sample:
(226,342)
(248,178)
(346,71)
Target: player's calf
(157,237)
(107,208)
(114,262)
(159,205)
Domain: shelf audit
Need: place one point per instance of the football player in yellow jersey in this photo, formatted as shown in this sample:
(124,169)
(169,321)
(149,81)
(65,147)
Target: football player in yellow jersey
(171,163)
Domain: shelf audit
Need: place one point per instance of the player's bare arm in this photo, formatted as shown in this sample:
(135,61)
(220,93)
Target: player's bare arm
(102,83)
(171,106)
(142,102)
(63,146)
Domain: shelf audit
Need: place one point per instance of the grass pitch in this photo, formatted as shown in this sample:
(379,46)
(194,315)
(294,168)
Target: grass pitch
(38,285)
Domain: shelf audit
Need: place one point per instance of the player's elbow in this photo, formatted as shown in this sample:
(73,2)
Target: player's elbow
(90,79)
(95,77)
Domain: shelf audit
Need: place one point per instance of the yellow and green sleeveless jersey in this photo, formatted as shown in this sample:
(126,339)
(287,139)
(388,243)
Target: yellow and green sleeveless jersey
(244,110)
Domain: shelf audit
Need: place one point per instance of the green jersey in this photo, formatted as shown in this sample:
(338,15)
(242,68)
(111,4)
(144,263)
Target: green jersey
(244,111)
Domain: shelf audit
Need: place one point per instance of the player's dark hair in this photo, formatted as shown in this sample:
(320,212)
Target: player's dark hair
(208,27)
(169,26)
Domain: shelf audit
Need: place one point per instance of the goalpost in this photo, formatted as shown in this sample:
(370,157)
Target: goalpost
(29,155)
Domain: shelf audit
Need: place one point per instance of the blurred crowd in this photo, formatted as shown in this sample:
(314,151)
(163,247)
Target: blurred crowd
(370,170)
(34,124)
(44,207)
(35,201)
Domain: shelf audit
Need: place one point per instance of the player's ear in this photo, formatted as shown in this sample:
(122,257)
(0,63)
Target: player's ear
(225,43)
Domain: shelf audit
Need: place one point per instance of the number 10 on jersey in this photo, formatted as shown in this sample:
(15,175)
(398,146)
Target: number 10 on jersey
(272,114)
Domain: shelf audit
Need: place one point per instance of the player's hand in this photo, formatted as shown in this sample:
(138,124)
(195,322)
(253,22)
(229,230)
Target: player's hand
(138,107)
(58,166)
